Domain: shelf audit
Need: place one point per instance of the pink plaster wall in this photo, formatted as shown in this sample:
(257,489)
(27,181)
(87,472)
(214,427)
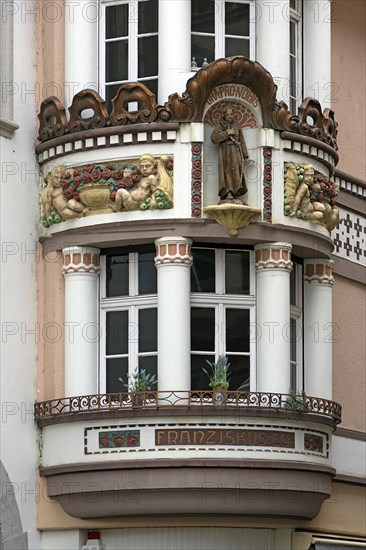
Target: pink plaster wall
(50,38)
(349,358)
(349,83)
(52,330)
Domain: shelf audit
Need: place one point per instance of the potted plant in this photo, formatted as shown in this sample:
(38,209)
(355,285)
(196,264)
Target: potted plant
(219,378)
(137,383)
(296,401)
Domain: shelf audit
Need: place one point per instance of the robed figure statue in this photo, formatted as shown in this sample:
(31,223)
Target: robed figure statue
(232,153)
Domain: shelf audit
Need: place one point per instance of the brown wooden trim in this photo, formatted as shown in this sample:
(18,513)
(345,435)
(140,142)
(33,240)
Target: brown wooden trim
(352,179)
(353,480)
(306,243)
(101,132)
(350,434)
(186,463)
(352,201)
(350,270)
(312,142)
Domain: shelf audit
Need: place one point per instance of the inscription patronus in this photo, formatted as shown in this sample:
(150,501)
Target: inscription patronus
(256,438)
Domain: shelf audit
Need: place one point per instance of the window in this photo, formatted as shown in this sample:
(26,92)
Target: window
(295,88)
(128,316)
(296,352)
(129,45)
(221,29)
(222,314)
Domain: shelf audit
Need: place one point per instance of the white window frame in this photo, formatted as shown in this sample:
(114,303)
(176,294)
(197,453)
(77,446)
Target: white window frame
(132,303)
(132,39)
(296,313)
(219,34)
(296,20)
(220,301)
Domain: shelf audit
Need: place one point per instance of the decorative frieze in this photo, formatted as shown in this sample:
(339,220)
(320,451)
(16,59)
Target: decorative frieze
(267,184)
(310,195)
(319,272)
(82,259)
(350,237)
(273,256)
(173,250)
(118,439)
(75,192)
(196,180)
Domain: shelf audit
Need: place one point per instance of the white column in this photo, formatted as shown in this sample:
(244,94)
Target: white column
(273,267)
(81,269)
(273,42)
(81,47)
(318,328)
(174,46)
(173,261)
(317,51)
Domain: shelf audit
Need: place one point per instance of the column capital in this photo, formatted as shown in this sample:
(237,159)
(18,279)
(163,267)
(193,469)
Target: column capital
(273,256)
(80,259)
(318,272)
(173,250)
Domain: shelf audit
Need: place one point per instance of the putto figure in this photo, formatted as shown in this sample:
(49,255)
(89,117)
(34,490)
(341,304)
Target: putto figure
(232,154)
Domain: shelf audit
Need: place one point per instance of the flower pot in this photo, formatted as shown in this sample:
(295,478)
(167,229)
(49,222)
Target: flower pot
(219,396)
(96,196)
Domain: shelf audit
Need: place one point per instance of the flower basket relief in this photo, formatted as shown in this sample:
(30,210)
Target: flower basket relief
(138,383)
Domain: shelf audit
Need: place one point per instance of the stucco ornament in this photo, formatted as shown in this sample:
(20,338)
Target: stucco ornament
(56,206)
(310,196)
(74,192)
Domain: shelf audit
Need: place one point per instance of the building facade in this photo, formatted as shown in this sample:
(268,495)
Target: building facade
(192,196)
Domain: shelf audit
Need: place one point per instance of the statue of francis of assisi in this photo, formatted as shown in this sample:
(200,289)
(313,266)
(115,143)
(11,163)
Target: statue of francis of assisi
(232,153)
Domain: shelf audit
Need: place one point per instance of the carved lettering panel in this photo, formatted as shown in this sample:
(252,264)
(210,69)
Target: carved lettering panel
(256,438)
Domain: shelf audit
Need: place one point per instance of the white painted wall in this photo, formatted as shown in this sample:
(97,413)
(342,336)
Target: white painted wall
(19,235)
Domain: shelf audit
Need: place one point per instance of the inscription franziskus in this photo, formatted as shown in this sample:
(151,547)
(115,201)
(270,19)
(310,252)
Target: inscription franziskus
(256,438)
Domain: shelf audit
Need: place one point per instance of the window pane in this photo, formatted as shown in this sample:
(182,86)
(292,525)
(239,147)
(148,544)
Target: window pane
(116,21)
(202,329)
(117,332)
(200,380)
(293,377)
(293,286)
(293,84)
(203,271)
(237,279)
(150,364)
(110,94)
(293,338)
(148,56)
(116,61)
(237,330)
(152,85)
(148,333)
(148,16)
(292,38)
(147,273)
(117,275)
(236,46)
(239,372)
(236,19)
(203,16)
(201,47)
(116,368)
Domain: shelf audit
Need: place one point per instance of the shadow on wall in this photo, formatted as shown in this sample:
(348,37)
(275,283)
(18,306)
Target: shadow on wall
(11,531)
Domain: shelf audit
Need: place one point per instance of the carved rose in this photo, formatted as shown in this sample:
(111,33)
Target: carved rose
(267,191)
(197,186)
(267,153)
(106,173)
(196,149)
(196,199)
(196,213)
(88,168)
(109,166)
(77,181)
(118,174)
(76,172)
(113,196)
(135,178)
(169,165)
(118,440)
(197,163)
(104,441)
(86,177)
(65,184)
(69,194)
(132,440)
(96,174)
(197,174)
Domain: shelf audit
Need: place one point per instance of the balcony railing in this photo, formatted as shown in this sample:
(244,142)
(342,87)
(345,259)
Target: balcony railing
(193,400)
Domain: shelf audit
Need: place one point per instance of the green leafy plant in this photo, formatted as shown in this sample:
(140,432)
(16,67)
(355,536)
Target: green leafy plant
(139,381)
(296,401)
(220,371)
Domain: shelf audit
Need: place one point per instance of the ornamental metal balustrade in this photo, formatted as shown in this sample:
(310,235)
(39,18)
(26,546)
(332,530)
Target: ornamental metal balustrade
(187,400)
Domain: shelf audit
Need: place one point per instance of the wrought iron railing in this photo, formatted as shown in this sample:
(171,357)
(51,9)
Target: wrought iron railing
(154,400)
